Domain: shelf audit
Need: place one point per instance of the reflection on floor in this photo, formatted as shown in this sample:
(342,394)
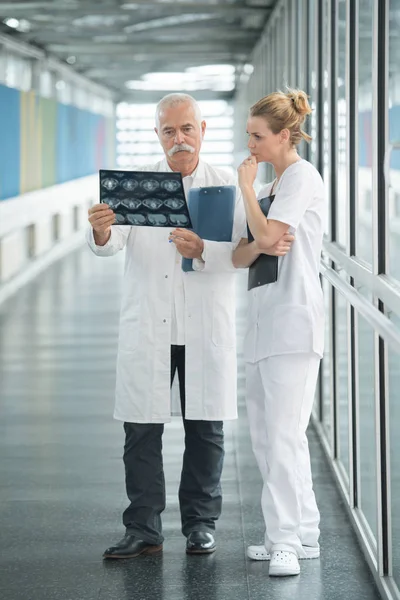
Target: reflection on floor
(61,473)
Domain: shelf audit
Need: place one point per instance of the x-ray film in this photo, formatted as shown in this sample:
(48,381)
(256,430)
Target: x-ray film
(145,198)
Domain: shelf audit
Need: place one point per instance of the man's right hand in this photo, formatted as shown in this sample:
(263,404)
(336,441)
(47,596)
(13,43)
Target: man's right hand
(101,217)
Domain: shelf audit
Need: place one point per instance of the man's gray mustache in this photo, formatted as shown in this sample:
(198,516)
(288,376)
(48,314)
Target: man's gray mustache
(180,148)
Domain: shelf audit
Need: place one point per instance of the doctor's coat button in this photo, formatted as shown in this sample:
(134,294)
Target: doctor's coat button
(164,320)
(166,277)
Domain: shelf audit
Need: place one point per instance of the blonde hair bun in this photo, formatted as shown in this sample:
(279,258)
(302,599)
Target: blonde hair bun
(284,111)
(300,101)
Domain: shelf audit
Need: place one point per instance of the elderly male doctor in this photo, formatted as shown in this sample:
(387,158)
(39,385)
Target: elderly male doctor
(173,323)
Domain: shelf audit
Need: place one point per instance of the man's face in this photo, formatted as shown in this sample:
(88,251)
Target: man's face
(180,134)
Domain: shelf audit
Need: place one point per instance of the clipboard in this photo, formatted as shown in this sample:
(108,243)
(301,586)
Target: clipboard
(212,211)
(264,269)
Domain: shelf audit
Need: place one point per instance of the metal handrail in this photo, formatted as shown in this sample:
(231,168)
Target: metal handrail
(381,286)
(378,321)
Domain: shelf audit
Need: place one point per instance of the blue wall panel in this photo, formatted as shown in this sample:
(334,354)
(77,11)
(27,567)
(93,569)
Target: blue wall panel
(80,142)
(394,135)
(10,144)
(82,145)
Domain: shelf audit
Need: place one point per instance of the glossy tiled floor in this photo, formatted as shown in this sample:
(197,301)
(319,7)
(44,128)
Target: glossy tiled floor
(61,473)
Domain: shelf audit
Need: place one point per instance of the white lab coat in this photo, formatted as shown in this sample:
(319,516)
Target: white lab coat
(143,362)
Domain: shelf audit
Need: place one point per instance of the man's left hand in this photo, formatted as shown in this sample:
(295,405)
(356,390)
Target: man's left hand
(188,244)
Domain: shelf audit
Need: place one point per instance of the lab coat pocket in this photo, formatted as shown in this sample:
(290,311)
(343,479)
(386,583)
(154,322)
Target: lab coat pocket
(292,329)
(223,323)
(129,333)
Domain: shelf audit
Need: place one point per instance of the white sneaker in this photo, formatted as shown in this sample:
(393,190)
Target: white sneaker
(283,564)
(260,553)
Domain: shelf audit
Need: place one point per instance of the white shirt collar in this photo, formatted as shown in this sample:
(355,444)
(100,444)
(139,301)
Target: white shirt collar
(198,173)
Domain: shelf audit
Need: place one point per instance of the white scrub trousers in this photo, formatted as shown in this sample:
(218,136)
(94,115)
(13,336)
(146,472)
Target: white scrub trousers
(280,395)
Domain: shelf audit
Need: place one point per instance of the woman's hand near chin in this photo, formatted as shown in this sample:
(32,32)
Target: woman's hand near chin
(247,172)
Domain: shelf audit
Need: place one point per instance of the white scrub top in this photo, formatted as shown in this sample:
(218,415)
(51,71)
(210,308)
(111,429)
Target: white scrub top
(287,316)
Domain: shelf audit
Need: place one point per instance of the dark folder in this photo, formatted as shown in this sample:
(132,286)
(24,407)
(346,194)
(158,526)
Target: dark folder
(265,268)
(212,212)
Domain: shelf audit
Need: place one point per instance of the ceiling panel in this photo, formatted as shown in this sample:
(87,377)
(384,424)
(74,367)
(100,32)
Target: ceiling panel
(123,44)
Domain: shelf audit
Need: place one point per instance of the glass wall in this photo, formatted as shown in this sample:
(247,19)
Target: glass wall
(313,82)
(366,424)
(394,420)
(393,213)
(326,367)
(343,389)
(351,71)
(394,139)
(342,127)
(365,132)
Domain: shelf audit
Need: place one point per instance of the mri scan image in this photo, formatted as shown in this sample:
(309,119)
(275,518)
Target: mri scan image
(129,184)
(174,203)
(170,186)
(153,203)
(136,219)
(158,220)
(150,185)
(144,198)
(114,205)
(179,220)
(132,204)
(109,183)
(119,219)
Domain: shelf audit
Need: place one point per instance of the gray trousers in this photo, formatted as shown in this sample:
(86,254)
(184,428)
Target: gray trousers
(200,496)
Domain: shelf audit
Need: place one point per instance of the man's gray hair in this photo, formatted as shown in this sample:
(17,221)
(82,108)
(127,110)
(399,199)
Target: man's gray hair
(173,100)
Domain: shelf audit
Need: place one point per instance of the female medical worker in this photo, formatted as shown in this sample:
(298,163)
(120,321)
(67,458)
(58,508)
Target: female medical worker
(284,338)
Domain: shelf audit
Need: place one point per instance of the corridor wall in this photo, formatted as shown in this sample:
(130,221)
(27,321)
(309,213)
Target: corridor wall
(45,142)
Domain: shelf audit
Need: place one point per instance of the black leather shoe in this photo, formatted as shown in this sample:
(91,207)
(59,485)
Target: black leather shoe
(200,542)
(131,547)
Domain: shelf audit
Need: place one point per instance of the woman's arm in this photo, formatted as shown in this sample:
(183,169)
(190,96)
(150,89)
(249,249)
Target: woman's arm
(295,194)
(245,253)
(266,232)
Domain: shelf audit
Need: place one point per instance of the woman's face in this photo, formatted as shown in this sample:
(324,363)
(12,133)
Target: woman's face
(263,144)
